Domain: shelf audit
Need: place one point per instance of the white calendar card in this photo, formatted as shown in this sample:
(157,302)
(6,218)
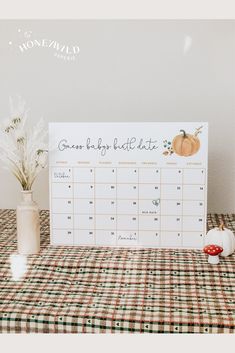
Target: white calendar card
(128,184)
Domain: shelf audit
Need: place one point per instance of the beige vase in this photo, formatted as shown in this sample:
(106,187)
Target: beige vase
(28,225)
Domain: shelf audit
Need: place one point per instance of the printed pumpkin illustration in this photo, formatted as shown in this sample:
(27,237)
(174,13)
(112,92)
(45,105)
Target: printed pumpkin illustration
(186,144)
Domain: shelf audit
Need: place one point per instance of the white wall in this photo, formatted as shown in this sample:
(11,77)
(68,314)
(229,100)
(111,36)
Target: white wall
(128,71)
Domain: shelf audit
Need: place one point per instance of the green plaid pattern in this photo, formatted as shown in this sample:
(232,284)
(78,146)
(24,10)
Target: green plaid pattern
(110,290)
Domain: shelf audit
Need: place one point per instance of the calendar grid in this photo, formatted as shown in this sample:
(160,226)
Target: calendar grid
(205,200)
(138,232)
(95,235)
(110,198)
(160,233)
(116,241)
(130,214)
(131,183)
(111,229)
(182,205)
(73,204)
(135,216)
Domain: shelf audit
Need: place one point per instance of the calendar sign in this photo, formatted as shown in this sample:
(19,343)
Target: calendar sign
(128,184)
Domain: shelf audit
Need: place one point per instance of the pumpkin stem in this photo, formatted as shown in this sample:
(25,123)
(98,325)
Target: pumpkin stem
(184,133)
(221,226)
(198,131)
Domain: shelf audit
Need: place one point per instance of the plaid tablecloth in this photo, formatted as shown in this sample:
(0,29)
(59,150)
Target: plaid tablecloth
(110,290)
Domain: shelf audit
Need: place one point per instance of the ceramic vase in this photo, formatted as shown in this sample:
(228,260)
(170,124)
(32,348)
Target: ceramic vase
(28,225)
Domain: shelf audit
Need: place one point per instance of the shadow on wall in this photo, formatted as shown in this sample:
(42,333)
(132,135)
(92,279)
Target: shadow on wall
(220,196)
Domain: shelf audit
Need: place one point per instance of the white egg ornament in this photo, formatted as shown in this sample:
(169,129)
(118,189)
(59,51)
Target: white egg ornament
(223,237)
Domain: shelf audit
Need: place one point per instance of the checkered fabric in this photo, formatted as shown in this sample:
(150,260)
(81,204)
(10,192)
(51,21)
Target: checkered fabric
(110,290)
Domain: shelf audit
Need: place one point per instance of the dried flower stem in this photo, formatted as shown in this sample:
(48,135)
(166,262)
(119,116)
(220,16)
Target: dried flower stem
(23,151)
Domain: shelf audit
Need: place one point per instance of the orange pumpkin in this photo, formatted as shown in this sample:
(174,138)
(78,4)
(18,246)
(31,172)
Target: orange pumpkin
(186,144)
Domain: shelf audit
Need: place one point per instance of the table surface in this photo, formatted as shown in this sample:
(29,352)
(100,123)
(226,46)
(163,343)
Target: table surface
(114,290)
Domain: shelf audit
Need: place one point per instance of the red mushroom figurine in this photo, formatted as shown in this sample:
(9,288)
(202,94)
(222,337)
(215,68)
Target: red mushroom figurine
(213,251)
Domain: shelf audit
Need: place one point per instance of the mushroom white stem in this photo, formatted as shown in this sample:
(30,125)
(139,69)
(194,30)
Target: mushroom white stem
(213,260)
